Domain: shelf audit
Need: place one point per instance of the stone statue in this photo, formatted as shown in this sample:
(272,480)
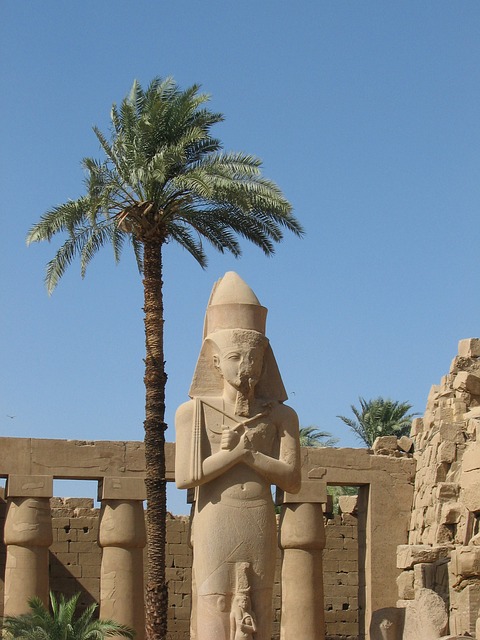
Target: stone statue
(242,624)
(234,439)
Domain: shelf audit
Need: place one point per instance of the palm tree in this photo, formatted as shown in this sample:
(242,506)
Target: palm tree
(313,437)
(40,624)
(379,417)
(164,179)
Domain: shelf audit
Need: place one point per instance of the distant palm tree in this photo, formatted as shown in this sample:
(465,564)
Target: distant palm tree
(379,417)
(313,437)
(40,624)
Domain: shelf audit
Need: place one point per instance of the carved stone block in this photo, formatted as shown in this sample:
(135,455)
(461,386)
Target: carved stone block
(387,444)
(466,381)
(409,555)
(465,562)
(425,617)
(405,585)
(469,348)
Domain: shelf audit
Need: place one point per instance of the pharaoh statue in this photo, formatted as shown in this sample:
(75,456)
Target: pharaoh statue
(234,439)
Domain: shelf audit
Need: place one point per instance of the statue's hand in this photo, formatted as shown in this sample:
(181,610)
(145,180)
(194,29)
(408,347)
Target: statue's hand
(230,439)
(238,444)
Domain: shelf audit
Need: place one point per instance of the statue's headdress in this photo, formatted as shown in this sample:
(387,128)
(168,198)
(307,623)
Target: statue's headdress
(234,310)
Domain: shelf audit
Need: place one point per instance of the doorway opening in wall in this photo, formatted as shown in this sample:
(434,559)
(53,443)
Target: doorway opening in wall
(341,575)
(3,487)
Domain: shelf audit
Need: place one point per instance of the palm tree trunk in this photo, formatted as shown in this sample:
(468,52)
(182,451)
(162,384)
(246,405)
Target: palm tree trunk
(155,380)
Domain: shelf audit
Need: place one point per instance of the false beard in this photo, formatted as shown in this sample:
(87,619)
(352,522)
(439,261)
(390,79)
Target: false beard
(245,398)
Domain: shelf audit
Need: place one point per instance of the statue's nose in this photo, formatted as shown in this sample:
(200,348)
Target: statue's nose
(244,365)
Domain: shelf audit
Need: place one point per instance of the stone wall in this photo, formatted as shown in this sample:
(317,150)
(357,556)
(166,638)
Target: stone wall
(179,577)
(340,571)
(75,555)
(75,566)
(385,484)
(443,554)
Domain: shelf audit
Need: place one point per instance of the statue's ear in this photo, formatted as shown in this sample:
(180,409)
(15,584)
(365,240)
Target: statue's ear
(216,361)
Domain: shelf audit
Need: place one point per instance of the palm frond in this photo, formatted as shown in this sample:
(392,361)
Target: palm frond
(64,217)
(85,243)
(161,158)
(107,148)
(182,234)
(314,437)
(61,624)
(94,239)
(138,252)
(379,417)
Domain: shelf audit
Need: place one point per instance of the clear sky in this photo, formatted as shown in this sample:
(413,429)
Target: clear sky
(367,116)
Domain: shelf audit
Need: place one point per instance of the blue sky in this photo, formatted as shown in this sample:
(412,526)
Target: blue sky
(367,116)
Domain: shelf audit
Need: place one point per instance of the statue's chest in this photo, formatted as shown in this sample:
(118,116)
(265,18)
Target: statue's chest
(262,436)
(261,433)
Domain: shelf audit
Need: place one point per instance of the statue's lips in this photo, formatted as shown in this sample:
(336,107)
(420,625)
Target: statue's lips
(244,385)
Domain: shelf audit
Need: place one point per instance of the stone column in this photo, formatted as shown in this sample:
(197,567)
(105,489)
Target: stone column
(122,536)
(28,534)
(302,539)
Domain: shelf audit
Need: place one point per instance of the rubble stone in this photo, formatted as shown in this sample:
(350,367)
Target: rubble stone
(423,576)
(451,432)
(387,444)
(469,348)
(416,427)
(447,498)
(471,496)
(466,381)
(447,452)
(466,562)
(473,412)
(425,617)
(408,554)
(465,609)
(447,491)
(451,513)
(348,504)
(471,458)
(405,444)
(405,585)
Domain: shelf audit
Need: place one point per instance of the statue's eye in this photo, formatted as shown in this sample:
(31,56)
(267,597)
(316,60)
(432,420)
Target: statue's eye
(234,355)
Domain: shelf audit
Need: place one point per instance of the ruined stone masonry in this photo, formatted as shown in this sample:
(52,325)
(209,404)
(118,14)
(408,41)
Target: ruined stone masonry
(441,562)
(75,561)
(359,558)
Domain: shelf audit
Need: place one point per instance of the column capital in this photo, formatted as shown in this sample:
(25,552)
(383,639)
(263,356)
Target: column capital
(122,524)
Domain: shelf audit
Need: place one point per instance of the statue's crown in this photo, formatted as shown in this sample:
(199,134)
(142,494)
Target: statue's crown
(233,305)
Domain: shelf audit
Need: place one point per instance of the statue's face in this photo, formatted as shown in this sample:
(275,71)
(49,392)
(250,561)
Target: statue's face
(240,365)
(243,601)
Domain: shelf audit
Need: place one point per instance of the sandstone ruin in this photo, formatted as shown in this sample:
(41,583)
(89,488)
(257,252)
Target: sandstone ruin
(400,562)
(356,579)
(442,556)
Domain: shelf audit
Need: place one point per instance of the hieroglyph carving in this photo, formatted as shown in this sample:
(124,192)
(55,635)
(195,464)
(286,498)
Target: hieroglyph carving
(235,438)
